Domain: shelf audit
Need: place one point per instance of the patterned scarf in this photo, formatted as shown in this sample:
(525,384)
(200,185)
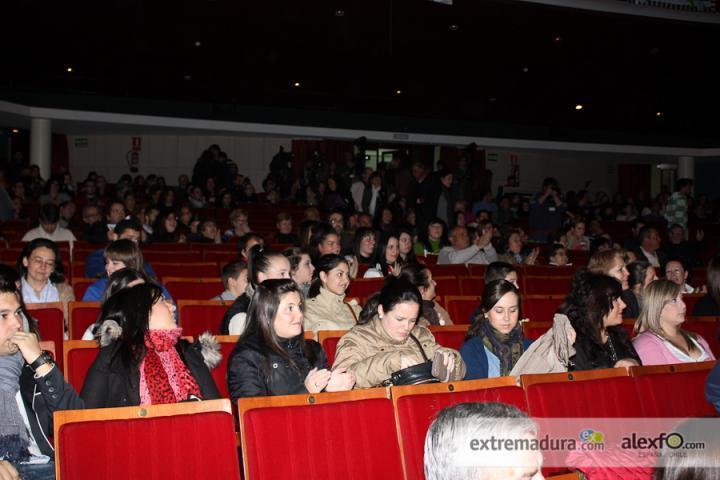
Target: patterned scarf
(508,347)
(164,377)
(14,437)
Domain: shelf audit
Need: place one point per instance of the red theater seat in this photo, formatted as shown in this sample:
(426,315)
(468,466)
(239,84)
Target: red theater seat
(691,300)
(449,270)
(183,288)
(219,257)
(329,340)
(450,336)
(706,327)
(534,330)
(219,373)
(193,270)
(461,307)
(416,406)
(199,316)
(348,435)
(364,287)
(78,355)
(674,390)
(82,315)
(593,393)
(472,285)
(447,285)
(80,286)
(541,308)
(546,285)
(51,322)
(150,442)
(188,256)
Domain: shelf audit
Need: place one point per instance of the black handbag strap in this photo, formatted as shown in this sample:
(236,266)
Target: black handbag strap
(420,347)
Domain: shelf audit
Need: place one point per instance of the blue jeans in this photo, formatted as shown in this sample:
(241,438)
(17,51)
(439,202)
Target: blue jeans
(44,471)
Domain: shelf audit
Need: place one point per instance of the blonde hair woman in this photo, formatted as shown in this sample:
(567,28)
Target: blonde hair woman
(662,340)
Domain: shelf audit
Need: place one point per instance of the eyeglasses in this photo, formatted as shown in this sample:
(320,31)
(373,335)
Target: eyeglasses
(676,271)
(38,261)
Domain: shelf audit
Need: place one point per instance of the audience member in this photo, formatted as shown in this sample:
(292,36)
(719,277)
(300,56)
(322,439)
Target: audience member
(235,281)
(246,242)
(272,357)
(594,308)
(461,252)
(239,221)
(576,238)
(262,265)
(324,241)
(449,455)
(42,276)
(124,230)
(431,312)
(641,274)
(557,256)
(512,250)
(547,211)
(678,247)
(301,268)
(325,308)
(284,233)
(676,210)
(649,247)
(145,345)
(31,389)
(495,342)
(676,271)
(405,245)
(385,258)
(661,339)
(49,228)
(387,339)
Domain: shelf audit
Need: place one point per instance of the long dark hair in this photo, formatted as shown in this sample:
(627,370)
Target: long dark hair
(417,274)
(713,279)
(325,264)
(360,234)
(261,318)
(394,291)
(319,233)
(411,257)
(492,294)
(589,301)
(130,308)
(9,280)
(444,241)
(58,273)
(160,233)
(379,253)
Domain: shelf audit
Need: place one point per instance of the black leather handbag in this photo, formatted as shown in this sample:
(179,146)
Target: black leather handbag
(415,375)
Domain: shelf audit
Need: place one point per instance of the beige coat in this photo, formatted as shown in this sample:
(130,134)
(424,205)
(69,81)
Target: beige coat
(328,311)
(551,352)
(373,355)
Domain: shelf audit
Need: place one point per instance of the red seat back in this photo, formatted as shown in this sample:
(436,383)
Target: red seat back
(449,270)
(460,309)
(449,337)
(78,364)
(691,300)
(364,287)
(51,323)
(541,309)
(350,440)
(197,317)
(155,256)
(708,330)
(472,285)
(202,289)
(675,394)
(80,286)
(447,285)
(534,330)
(219,373)
(546,285)
(150,448)
(193,270)
(329,346)
(415,413)
(82,315)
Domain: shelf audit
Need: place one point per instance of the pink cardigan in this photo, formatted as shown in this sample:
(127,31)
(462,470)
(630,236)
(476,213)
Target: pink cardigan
(653,351)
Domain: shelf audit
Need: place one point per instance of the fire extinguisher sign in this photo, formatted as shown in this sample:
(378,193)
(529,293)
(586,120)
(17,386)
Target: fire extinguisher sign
(133,156)
(136,144)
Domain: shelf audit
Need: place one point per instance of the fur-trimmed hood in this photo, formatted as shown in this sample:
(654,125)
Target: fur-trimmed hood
(208,345)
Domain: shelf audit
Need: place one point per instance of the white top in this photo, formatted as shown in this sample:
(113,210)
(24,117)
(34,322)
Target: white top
(652,258)
(59,235)
(36,456)
(682,356)
(49,293)
(237,324)
(471,254)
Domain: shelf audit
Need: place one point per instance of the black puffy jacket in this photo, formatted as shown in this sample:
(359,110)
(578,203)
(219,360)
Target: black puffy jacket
(256,371)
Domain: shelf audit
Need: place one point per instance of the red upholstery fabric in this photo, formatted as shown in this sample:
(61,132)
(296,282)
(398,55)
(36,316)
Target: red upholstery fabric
(709,331)
(447,285)
(194,290)
(80,288)
(416,413)
(174,257)
(347,440)
(690,301)
(329,345)
(548,271)
(675,394)
(82,318)
(477,270)
(196,319)
(186,270)
(606,397)
(79,361)
(546,285)
(198,446)
(460,310)
(472,285)
(362,268)
(219,373)
(533,330)
(450,339)
(446,270)
(51,324)
(364,287)
(540,309)
(221,258)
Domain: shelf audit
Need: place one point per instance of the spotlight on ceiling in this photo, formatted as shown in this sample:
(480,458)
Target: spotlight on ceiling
(339,13)
(659,114)
(69,69)
(557,39)
(198,43)
(579,106)
(15,131)
(296,84)
(444,2)
(454,27)
(398,92)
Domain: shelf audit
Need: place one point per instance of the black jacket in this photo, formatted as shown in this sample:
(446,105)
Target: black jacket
(110,384)
(240,305)
(588,356)
(42,397)
(255,371)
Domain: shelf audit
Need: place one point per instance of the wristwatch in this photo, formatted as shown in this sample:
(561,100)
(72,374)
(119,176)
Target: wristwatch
(44,358)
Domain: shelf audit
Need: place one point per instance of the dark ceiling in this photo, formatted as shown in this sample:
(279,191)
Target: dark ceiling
(475,62)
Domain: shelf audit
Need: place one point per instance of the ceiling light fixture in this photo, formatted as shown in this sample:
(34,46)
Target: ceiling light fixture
(187,78)
(15,130)
(659,114)
(68,69)
(579,106)
(398,91)
(296,84)
(454,27)
(198,43)
(557,39)
(339,13)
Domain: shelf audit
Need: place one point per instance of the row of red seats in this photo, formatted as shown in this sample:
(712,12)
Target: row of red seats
(375,433)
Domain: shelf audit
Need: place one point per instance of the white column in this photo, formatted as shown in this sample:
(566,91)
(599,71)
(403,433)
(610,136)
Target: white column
(41,145)
(686,167)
